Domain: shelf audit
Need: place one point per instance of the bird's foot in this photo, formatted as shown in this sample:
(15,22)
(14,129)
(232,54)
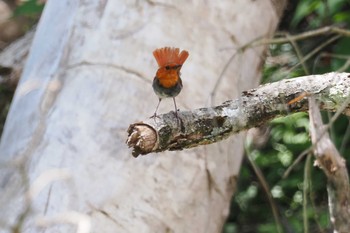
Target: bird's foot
(154,116)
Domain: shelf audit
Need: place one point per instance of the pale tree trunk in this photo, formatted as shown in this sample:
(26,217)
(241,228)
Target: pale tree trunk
(65,164)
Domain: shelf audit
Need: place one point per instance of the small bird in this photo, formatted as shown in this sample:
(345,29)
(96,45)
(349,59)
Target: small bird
(167,82)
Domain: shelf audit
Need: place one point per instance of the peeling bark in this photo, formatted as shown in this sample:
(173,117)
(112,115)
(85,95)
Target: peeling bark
(255,107)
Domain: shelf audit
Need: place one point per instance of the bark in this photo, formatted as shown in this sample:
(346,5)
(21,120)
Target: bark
(333,165)
(12,60)
(87,78)
(254,108)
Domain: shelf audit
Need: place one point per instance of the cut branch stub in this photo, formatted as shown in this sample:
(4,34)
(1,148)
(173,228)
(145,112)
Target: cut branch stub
(254,108)
(142,137)
(170,133)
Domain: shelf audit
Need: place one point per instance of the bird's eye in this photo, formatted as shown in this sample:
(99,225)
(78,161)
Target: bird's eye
(167,67)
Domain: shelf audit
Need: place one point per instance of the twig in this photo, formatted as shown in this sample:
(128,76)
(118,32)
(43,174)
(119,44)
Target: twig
(305,191)
(303,36)
(263,40)
(299,54)
(213,92)
(266,189)
(313,52)
(345,139)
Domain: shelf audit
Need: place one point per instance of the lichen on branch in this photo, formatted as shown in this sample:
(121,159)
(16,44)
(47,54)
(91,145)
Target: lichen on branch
(253,108)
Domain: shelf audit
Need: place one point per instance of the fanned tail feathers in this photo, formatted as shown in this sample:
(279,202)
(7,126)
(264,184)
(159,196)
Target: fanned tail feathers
(167,55)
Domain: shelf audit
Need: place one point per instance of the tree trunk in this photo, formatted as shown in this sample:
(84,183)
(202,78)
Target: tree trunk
(88,77)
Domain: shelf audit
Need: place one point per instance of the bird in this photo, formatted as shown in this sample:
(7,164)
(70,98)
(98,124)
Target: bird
(167,82)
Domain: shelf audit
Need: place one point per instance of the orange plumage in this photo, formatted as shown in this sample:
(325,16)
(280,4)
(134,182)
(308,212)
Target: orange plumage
(167,82)
(167,55)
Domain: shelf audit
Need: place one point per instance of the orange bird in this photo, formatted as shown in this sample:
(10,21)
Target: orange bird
(167,82)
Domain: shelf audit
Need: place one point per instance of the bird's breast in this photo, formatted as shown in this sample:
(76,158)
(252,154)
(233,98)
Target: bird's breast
(167,78)
(164,92)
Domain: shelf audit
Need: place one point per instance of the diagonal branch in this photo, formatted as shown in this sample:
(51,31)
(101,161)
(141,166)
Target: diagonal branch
(302,36)
(333,165)
(254,108)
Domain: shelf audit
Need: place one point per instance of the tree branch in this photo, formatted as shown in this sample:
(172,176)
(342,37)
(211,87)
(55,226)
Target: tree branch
(254,108)
(333,165)
(302,36)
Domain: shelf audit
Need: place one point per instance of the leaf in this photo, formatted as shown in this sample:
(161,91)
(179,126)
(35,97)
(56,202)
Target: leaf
(304,9)
(30,7)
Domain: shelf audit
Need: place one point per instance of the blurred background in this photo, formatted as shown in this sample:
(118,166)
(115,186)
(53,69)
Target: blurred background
(270,150)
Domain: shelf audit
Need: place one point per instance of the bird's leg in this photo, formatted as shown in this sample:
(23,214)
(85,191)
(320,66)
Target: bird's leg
(177,117)
(179,121)
(155,113)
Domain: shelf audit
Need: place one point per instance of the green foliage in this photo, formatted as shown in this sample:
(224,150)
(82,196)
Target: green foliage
(289,136)
(29,8)
(320,11)
(341,48)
